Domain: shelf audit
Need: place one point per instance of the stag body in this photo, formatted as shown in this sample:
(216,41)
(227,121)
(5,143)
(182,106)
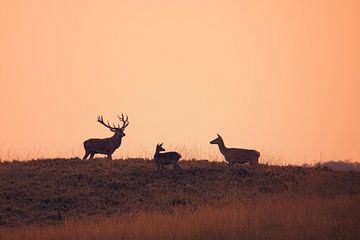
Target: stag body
(106,145)
(237,155)
(166,158)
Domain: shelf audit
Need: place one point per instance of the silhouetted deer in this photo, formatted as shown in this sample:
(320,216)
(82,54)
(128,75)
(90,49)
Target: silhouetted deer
(166,158)
(107,145)
(236,155)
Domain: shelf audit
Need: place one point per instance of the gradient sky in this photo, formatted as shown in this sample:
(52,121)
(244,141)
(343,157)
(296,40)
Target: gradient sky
(279,76)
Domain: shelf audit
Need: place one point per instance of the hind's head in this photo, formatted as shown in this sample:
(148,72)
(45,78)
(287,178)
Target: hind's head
(217,140)
(159,148)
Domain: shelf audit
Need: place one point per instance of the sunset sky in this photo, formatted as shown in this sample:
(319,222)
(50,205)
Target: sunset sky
(279,76)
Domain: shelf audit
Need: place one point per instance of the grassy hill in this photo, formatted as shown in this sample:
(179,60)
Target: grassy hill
(44,192)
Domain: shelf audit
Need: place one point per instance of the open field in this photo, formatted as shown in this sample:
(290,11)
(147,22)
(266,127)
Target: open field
(102,199)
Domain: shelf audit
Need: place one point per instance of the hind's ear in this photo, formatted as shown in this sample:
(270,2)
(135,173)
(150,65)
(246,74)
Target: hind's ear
(161,144)
(218,135)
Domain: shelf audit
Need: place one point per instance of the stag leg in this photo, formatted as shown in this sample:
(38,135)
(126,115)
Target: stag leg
(92,155)
(109,157)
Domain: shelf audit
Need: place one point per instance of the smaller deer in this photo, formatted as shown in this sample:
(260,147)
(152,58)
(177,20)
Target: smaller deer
(166,158)
(236,155)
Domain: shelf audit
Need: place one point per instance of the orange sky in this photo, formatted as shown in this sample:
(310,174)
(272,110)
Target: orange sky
(279,76)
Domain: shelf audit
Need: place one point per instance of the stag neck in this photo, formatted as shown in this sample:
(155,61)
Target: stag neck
(117,135)
(116,139)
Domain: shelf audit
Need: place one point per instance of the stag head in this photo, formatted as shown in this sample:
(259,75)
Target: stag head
(116,129)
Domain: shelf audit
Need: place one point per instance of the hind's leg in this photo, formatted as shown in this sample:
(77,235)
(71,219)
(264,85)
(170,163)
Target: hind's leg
(92,155)
(231,164)
(86,155)
(254,162)
(176,166)
(109,157)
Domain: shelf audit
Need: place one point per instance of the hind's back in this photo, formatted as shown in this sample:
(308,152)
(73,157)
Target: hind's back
(171,155)
(167,157)
(238,155)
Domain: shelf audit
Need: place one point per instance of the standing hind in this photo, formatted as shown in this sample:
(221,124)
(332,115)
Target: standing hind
(237,155)
(166,158)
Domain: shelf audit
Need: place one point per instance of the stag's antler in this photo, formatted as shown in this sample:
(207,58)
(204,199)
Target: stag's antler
(124,121)
(101,120)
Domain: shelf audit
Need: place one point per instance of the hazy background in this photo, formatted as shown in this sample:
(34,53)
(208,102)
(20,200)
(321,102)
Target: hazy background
(280,76)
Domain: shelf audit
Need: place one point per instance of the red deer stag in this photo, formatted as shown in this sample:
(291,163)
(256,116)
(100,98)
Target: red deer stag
(237,155)
(107,145)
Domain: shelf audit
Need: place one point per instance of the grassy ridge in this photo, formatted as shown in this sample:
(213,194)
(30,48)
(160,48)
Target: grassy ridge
(282,200)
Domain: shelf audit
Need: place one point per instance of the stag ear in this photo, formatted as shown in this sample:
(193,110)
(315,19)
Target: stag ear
(161,144)
(218,135)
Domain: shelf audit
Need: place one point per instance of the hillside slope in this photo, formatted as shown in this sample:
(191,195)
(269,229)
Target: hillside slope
(50,191)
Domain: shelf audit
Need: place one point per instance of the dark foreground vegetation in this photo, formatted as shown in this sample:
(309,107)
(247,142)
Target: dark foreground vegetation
(127,199)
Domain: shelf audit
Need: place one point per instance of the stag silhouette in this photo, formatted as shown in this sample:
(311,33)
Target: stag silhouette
(106,145)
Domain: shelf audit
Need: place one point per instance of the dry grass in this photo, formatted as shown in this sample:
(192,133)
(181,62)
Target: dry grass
(100,199)
(268,218)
